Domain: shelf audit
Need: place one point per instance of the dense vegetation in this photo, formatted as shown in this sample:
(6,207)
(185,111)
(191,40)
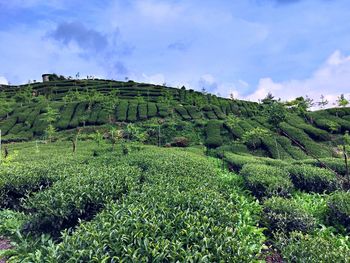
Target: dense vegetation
(88,179)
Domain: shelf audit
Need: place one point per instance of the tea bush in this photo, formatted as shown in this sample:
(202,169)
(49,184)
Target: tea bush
(266,181)
(286,215)
(313,179)
(151,110)
(17,182)
(173,217)
(78,197)
(142,111)
(132,112)
(122,110)
(339,209)
(302,138)
(321,246)
(213,134)
(335,164)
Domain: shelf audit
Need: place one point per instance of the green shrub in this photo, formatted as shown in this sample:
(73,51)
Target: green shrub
(314,203)
(280,214)
(266,181)
(76,197)
(142,111)
(7,125)
(234,147)
(18,127)
(122,110)
(274,148)
(218,112)
(324,120)
(313,132)
(302,138)
(339,209)
(245,125)
(39,125)
(339,112)
(213,134)
(183,112)
(66,115)
(293,151)
(328,125)
(163,110)
(322,246)
(193,112)
(234,129)
(93,117)
(179,214)
(16,182)
(103,117)
(335,164)
(151,109)
(347,117)
(33,115)
(313,179)
(80,110)
(236,162)
(132,112)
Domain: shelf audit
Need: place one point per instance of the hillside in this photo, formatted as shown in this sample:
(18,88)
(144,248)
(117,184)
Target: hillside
(82,180)
(164,114)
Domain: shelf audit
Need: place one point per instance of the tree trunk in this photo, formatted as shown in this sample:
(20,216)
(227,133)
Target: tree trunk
(346,164)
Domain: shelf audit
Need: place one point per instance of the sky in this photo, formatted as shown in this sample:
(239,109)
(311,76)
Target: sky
(246,48)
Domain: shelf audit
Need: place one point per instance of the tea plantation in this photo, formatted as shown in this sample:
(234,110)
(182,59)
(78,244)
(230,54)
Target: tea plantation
(107,171)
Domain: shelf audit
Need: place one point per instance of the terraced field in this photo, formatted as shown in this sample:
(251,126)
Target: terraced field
(168,205)
(107,171)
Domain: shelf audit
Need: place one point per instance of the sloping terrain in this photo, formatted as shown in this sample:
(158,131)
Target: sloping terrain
(201,118)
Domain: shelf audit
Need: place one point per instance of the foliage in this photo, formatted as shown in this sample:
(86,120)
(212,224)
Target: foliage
(280,214)
(323,102)
(313,179)
(166,214)
(266,181)
(342,101)
(276,113)
(254,136)
(269,99)
(339,209)
(180,142)
(213,134)
(62,205)
(301,105)
(322,246)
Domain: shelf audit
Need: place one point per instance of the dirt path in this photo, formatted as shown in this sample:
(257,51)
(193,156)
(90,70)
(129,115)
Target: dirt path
(4,245)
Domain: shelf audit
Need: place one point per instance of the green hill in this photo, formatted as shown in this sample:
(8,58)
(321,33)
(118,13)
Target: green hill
(100,191)
(200,118)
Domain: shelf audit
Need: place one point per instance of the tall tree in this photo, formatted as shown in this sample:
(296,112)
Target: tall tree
(268,99)
(323,102)
(276,113)
(50,116)
(342,101)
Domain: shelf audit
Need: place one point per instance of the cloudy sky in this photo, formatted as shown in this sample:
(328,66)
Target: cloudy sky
(244,47)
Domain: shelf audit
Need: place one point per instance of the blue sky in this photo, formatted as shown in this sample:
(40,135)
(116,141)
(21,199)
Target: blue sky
(244,47)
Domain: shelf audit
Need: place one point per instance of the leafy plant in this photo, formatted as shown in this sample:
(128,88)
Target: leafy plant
(313,179)
(286,215)
(266,181)
(339,209)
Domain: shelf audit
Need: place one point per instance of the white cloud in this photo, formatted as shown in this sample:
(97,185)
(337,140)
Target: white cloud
(157,79)
(158,11)
(3,81)
(44,54)
(331,79)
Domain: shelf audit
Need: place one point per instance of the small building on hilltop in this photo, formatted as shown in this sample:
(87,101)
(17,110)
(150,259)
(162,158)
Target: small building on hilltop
(46,77)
